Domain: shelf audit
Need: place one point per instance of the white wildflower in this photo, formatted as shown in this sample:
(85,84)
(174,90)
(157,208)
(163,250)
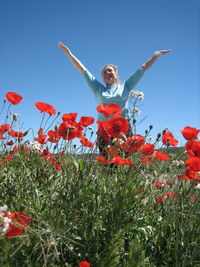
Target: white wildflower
(198,186)
(4,220)
(35,146)
(3,210)
(160,218)
(137,94)
(178,163)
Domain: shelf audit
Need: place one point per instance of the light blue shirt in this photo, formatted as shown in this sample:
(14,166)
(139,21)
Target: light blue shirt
(115,94)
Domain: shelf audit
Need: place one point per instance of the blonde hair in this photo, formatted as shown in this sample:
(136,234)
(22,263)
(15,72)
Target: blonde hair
(115,69)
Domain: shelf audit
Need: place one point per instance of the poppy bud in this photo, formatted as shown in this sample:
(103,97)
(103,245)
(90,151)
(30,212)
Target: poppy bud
(89,128)
(25,133)
(150,127)
(15,116)
(56,145)
(56,127)
(58,113)
(146,132)
(159,135)
(134,121)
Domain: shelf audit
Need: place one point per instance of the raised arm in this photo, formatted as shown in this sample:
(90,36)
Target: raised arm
(152,60)
(77,64)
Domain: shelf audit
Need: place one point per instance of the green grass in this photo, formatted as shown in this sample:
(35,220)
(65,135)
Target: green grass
(107,216)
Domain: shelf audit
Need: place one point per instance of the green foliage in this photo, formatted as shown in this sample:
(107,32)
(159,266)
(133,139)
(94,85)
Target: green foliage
(108,216)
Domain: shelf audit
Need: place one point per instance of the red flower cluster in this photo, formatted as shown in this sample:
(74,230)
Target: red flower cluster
(70,128)
(3,129)
(117,160)
(16,134)
(193,150)
(51,159)
(163,199)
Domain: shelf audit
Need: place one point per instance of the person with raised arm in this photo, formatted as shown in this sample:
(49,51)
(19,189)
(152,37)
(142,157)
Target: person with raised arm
(114,91)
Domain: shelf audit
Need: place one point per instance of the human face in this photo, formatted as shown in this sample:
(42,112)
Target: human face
(109,75)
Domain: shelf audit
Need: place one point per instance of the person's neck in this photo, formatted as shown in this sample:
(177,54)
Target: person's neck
(112,84)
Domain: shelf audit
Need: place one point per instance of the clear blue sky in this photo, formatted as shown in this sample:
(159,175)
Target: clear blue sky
(124,33)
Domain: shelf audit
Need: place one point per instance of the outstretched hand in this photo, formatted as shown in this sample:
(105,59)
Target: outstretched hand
(162,52)
(64,47)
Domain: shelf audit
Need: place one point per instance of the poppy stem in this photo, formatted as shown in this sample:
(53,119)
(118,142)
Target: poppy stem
(42,120)
(51,123)
(4,102)
(46,123)
(7,113)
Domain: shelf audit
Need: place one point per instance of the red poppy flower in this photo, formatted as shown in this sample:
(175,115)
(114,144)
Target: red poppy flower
(69,131)
(103,160)
(191,175)
(103,132)
(16,134)
(84,264)
(158,184)
(193,148)
(190,133)
(193,163)
(160,199)
(102,109)
(4,128)
(119,161)
(70,116)
(21,219)
(45,108)
(112,150)
(41,139)
(168,138)
(14,98)
(40,131)
(86,121)
(87,143)
(147,149)
(133,143)
(56,165)
(160,156)
(46,154)
(111,109)
(53,136)
(145,160)
(116,126)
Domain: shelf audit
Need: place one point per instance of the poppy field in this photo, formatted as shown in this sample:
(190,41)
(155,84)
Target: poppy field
(63,204)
